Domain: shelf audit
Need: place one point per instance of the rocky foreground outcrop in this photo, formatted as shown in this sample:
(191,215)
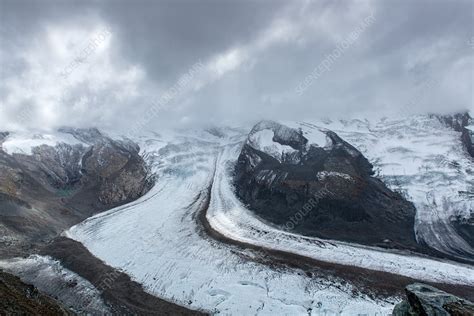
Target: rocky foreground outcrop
(18,298)
(326,190)
(424,300)
(53,187)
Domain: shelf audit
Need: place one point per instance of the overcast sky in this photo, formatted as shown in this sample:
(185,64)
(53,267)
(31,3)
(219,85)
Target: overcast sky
(139,64)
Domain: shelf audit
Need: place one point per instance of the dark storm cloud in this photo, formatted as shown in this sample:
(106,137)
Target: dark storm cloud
(254,56)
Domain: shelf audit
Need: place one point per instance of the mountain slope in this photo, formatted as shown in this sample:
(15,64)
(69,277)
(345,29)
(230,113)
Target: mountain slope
(49,182)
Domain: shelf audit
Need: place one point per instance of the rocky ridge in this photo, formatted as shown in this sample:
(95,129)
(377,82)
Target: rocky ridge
(464,124)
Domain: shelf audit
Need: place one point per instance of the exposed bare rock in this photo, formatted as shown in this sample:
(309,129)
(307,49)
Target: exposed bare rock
(3,135)
(329,186)
(425,300)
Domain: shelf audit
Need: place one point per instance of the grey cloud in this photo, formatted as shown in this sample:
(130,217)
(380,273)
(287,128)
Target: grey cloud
(262,49)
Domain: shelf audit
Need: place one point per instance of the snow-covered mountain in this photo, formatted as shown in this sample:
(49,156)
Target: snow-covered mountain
(194,240)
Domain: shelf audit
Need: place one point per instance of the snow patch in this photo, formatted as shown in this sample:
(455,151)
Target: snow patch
(323,175)
(263,141)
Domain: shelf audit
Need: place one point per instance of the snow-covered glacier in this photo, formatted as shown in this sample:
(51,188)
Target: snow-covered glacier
(160,242)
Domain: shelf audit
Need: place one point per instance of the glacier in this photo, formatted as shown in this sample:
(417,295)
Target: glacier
(158,241)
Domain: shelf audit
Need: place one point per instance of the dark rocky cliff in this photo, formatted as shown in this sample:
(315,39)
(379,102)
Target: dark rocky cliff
(325,191)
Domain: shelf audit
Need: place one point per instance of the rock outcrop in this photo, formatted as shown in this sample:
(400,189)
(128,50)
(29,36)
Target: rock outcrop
(18,298)
(3,135)
(424,300)
(463,123)
(326,190)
